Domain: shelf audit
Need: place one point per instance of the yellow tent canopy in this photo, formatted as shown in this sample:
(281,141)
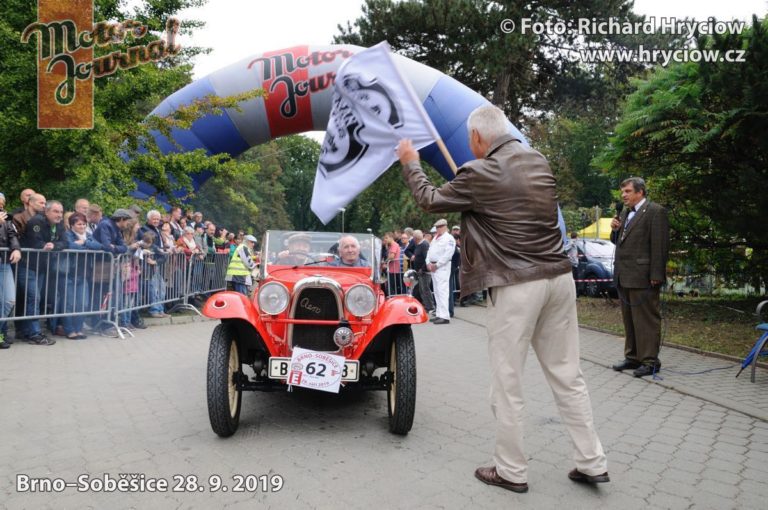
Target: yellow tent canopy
(593,232)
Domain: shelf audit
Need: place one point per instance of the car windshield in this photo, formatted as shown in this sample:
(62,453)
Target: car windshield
(320,249)
(599,249)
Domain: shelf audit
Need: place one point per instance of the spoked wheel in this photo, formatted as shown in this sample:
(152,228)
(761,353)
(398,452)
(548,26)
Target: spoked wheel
(401,391)
(223,370)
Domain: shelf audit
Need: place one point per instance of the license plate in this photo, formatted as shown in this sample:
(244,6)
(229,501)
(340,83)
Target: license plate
(279,368)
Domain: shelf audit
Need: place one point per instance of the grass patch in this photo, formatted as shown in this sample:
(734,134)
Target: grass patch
(724,325)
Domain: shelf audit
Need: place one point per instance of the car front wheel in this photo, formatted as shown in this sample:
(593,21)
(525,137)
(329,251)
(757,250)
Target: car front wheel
(223,370)
(401,391)
(591,288)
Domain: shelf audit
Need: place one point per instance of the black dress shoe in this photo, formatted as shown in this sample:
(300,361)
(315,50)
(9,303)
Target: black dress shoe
(491,477)
(644,370)
(441,321)
(627,364)
(578,476)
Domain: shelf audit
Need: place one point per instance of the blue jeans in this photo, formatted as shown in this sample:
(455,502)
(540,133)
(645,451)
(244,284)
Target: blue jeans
(7,295)
(77,301)
(156,292)
(29,292)
(240,287)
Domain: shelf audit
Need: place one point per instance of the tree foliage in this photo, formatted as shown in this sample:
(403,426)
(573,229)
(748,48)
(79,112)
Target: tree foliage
(524,74)
(697,132)
(67,164)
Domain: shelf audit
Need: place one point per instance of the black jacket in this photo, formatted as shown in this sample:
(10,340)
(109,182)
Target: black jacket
(39,232)
(8,236)
(420,256)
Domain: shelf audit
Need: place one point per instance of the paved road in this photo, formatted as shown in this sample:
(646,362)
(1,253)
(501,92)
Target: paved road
(108,406)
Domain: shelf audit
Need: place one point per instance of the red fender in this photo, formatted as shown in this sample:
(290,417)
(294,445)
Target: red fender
(395,310)
(233,305)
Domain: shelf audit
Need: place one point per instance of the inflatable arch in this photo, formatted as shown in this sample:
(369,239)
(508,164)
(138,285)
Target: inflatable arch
(299,81)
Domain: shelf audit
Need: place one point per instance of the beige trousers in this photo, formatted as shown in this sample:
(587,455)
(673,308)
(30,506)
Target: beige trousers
(541,314)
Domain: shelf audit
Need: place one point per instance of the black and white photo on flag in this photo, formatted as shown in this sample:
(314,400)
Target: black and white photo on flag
(373,108)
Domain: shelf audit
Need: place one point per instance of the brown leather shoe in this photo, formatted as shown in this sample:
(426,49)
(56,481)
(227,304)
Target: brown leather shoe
(489,476)
(578,476)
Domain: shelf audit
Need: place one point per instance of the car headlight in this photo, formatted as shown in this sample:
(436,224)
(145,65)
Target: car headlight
(273,298)
(360,300)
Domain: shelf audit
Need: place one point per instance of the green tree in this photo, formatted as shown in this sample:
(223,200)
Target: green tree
(250,197)
(697,132)
(524,74)
(66,164)
(570,145)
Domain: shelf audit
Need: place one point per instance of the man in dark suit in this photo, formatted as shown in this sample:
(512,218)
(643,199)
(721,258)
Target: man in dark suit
(641,235)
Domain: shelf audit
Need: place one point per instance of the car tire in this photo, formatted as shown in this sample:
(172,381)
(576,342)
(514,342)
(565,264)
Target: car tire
(401,390)
(223,369)
(591,289)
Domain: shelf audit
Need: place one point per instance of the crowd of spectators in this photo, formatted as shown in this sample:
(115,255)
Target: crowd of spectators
(47,280)
(51,281)
(408,249)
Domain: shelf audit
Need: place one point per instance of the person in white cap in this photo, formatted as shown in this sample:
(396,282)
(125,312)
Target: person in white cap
(439,264)
(241,265)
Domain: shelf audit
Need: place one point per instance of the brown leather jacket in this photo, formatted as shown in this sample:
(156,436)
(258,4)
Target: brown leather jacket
(509,229)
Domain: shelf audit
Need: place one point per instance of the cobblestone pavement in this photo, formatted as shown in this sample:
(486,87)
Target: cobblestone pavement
(138,406)
(712,379)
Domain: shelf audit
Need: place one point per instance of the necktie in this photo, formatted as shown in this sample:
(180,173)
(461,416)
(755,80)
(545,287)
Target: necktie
(630,216)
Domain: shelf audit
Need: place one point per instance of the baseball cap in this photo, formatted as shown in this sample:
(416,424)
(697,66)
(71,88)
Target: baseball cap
(250,238)
(455,227)
(122,214)
(442,222)
(299,237)
(433,230)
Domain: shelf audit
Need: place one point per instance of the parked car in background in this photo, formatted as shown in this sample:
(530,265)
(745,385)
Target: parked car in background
(594,273)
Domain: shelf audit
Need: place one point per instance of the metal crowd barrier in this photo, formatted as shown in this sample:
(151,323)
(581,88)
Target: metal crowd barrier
(66,287)
(393,271)
(61,286)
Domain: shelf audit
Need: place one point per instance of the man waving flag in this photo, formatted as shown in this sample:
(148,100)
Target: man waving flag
(373,108)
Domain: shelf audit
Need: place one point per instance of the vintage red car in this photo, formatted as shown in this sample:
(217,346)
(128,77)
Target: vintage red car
(311,295)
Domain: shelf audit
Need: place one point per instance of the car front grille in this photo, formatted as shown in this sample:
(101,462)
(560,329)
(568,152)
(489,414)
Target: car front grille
(315,304)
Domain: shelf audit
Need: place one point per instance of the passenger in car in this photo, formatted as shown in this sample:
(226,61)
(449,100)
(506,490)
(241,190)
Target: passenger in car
(349,254)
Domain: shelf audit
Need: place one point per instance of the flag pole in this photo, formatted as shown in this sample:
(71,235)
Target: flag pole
(420,107)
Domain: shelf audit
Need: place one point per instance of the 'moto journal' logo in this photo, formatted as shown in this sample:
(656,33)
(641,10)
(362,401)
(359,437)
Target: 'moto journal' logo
(66,37)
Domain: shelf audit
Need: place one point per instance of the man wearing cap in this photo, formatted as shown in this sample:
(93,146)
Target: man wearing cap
(109,232)
(109,235)
(241,265)
(439,264)
(297,253)
(512,245)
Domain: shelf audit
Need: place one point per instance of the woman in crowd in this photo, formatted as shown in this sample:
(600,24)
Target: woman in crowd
(128,280)
(172,273)
(77,294)
(392,263)
(167,243)
(191,248)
